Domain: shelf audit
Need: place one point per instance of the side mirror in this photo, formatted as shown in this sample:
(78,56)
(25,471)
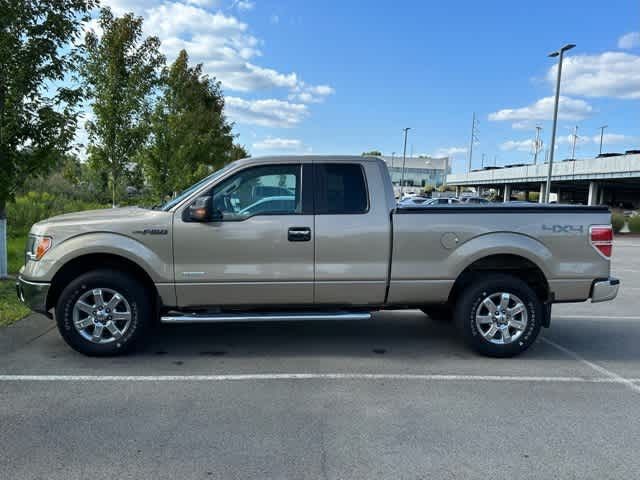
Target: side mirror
(200,210)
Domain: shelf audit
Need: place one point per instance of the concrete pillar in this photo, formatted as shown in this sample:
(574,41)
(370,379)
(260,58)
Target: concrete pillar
(457,191)
(601,196)
(507,192)
(593,193)
(526,195)
(543,187)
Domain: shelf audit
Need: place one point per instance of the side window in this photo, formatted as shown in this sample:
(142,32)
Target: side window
(267,190)
(340,188)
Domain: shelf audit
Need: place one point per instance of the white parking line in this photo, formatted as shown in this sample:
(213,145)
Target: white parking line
(609,377)
(595,317)
(603,371)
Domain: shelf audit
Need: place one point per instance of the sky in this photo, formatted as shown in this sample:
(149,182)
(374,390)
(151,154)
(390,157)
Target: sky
(346,76)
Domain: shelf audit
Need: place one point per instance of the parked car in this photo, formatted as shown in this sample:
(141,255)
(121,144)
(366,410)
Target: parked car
(414,201)
(472,200)
(443,201)
(339,248)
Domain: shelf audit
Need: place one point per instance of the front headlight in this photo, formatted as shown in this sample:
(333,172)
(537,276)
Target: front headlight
(37,246)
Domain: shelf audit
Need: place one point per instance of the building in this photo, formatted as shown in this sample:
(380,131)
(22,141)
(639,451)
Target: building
(418,172)
(610,179)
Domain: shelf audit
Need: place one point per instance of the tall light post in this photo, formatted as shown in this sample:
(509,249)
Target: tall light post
(393,154)
(404,160)
(602,135)
(560,55)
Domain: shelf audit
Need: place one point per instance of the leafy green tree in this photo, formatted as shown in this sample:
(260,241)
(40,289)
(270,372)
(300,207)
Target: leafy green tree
(239,151)
(372,153)
(121,72)
(190,135)
(37,106)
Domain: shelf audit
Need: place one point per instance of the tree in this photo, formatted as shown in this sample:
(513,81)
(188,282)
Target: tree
(37,106)
(190,135)
(239,151)
(121,72)
(372,153)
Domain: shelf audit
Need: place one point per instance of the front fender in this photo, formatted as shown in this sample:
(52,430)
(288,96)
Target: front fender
(159,268)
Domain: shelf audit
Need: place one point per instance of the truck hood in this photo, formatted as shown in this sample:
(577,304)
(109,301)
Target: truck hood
(117,220)
(102,215)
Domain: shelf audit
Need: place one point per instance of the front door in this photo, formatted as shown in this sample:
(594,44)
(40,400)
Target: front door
(259,250)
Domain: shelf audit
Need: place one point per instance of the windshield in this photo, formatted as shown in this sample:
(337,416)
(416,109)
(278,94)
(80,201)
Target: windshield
(185,193)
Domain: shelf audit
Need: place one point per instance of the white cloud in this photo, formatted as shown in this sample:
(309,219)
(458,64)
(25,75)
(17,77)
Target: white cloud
(629,40)
(311,94)
(519,145)
(272,144)
(224,46)
(527,145)
(608,138)
(266,113)
(610,74)
(449,151)
(569,109)
(243,4)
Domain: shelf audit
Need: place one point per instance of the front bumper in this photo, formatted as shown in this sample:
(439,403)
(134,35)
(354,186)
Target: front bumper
(33,294)
(604,290)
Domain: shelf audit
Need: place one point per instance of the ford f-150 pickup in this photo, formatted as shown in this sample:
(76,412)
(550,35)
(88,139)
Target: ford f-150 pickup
(313,238)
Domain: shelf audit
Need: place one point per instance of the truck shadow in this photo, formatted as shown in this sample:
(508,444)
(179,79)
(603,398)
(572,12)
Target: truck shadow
(408,332)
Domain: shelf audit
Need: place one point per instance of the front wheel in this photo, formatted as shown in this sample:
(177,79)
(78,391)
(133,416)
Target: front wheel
(103,313)
(499,315)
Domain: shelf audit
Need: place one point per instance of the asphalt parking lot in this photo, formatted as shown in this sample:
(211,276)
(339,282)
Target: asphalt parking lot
(395,397)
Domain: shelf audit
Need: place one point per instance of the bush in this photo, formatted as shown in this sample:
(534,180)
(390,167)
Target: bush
(35,206)
(617,221)
(634,224)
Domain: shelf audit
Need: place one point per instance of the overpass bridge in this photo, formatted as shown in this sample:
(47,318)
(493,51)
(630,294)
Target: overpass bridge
(610,180)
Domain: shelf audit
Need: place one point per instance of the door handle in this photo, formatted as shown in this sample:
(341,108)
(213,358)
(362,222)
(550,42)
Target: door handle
(299,234)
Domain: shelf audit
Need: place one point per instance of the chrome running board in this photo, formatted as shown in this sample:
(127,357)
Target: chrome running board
(264,317)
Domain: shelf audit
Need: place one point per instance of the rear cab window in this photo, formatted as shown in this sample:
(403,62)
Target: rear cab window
(340,188)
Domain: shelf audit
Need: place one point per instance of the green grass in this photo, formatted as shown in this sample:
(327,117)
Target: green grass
(11,309)
(15,252)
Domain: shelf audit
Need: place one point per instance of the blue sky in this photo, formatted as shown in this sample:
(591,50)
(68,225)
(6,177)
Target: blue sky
(346,76)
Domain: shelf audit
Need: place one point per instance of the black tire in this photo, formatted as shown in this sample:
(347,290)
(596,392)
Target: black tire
(476,292)
(439,313)
(140,305)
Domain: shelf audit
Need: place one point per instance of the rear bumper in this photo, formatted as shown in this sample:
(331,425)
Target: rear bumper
(604,290)
(33,294)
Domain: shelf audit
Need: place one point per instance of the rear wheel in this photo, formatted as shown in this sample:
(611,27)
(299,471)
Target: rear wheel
(103,313)
(499,315)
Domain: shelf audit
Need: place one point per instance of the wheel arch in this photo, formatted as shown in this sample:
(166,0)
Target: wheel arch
(95,261)
(510,263)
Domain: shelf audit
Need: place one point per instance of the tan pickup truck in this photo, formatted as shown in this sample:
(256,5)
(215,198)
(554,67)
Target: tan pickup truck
(313,238)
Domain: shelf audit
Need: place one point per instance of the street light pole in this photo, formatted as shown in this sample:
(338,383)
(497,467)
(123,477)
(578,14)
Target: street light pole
(602,135)
(404,160)
(536,147)
(560,54)
(575,140)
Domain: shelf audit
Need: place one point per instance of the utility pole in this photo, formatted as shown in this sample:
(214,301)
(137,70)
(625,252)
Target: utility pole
(393,154)
(560,54)
(575,139)
(602,136)
(537,146)
(483,160)
(474,139)
(404,160)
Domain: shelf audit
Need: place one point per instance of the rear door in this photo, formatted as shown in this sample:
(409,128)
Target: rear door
(352,234)
(260,252)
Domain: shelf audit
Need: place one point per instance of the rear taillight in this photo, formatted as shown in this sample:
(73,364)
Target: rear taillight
(601,237)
